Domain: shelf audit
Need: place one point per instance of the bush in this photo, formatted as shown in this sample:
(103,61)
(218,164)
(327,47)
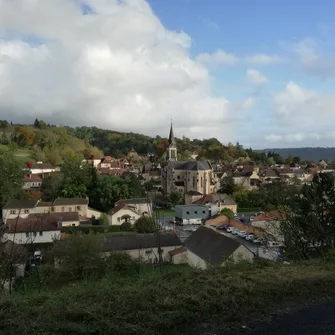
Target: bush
(145,224)
(126,226)
(113,229)
(228,212)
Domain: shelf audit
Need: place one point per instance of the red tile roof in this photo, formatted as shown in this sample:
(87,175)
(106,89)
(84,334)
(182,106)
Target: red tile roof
(33,178)
(177,251)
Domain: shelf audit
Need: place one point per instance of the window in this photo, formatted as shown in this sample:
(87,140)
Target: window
(41,233)
(52,209)
(26,211)
(79,208)
(27,235)
(70,209)
(203,212)
(148,252)
(187,212)
(34,233)
(12,211)
(118,219)
(195,212)
(63,209)
(133,217)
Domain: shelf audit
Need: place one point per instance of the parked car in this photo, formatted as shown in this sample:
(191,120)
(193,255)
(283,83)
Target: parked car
(235,231)
(223,227)
(256,241)
(242,234)
(229,229)
(251,218)
(250,237)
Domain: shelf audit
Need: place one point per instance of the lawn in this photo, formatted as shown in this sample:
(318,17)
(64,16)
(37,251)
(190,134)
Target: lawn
(181,301)
(164,213)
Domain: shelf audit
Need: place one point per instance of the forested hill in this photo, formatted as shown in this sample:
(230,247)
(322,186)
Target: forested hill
(45,142)
(307,153)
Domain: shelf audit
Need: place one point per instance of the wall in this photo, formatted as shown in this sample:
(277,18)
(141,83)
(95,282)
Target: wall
(6,213)
(71,208)
(115,219)
(70,223)
(189,199)
(231,207)
(21,238)
(148,254)
(242,253)
(195,261)
(92,212)
(191,213)
(31,184)
(40,171)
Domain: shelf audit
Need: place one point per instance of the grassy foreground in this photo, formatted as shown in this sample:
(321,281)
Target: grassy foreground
(175,303)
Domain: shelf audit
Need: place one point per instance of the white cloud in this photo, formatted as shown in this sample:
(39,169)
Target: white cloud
(314,62)
(255,77)
(219,57)
(273,138)
(119,68)
(292,138)
(263,59)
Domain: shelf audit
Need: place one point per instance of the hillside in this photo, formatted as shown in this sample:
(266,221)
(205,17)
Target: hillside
(307,153)
(41,142)
(181,301)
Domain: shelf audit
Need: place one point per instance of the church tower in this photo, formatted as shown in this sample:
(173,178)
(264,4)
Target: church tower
(171,154)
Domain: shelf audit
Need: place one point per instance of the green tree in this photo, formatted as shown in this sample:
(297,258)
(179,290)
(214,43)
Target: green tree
(175,198)
(227,185)
(145,224)
(103,220)
(11,178)
(228,212)
(307,220)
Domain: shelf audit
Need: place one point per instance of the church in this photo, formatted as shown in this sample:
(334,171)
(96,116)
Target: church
(193,176)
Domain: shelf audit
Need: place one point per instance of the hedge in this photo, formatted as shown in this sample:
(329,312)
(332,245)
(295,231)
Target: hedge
(87,229)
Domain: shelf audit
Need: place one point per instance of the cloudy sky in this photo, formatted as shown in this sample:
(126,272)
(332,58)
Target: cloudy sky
(259,72)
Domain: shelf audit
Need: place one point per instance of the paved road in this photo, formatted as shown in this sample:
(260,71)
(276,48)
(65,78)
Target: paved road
(317,320)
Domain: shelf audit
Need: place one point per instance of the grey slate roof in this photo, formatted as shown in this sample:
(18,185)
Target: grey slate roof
(70,201)
(211,246)
(213,198)
(191,165)
(17,204)
(140,241)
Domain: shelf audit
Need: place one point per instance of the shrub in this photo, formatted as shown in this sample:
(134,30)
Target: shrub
(145,224)
(126,226)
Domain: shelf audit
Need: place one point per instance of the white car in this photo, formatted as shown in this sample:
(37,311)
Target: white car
(242,234)
(250,237)
(230,230)
(235,231)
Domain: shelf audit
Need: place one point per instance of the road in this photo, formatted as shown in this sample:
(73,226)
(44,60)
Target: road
(318,319)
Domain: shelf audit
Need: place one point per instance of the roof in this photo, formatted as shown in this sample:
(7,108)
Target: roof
(118,207)
(140,241)
(32,224)
(32,178)
(171,136)
(16,204)
(271,173)
(70,201)
(10,248)
(132,201)
(191,165)
(44,204)
(211,246)
(177,251)
(215,197)
(193,193)
(57,216)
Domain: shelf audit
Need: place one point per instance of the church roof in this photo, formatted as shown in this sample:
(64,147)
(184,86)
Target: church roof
(191,165)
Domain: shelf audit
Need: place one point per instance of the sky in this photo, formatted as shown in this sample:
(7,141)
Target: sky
(258,72)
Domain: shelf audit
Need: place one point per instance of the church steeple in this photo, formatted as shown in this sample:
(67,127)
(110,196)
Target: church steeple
(171,154)
(171,136)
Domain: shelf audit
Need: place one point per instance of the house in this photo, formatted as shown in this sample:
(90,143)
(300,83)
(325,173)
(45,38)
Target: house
(185,176)
(323,164)
(192,196)
(32,181)
(15,208)
(218,200)
(122,213)
(191,214)
(23,208)
(35,229)
(143,246)
(206,247)
(94,160)
(142,206)
(41,168)
(242,179)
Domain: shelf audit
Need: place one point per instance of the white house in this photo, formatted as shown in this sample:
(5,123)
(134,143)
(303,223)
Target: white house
(142,206)
(32,230)
(206,248)
(32,181)
(23,208)
(40,168)
(122,213)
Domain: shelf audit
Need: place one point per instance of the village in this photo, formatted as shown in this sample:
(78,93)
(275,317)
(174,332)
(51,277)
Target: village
(204,227)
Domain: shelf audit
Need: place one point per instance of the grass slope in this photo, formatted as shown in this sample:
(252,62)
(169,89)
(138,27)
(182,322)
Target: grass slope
(180,301)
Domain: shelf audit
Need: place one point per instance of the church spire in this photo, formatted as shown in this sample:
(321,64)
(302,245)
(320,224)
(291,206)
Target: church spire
(171,136)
